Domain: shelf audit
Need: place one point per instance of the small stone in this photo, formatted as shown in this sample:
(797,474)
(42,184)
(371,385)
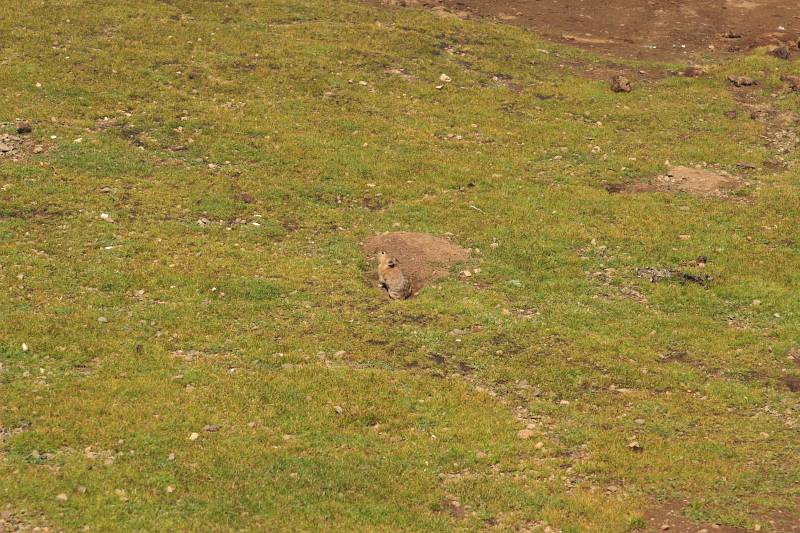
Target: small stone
(170,489)
(171,457)
(684,237)
(23,128)
(621,84)
(62,497)
(445,78)
(102,319)
(539,445)
(24,347)
(639,421)
(634,446)
(338,409)
(194,436)
(211,428)
(525,434)
(742,81)
(781,52)
(38,149)
(756,303)
(793,81)
(5,147)
(246,198)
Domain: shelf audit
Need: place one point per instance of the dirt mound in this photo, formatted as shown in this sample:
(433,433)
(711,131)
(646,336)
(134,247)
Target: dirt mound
(639,29)
(699,182)
(423,257)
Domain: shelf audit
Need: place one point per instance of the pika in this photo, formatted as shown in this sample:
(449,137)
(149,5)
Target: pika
(391,277)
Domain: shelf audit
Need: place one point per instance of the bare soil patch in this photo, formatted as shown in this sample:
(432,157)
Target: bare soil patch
(695,181)
(17,147)
(780,127)
(669,517)
(641,29)
(670,514)
(423,257)
(11,521)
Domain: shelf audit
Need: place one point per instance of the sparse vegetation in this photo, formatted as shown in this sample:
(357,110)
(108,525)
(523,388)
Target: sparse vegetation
(242,151)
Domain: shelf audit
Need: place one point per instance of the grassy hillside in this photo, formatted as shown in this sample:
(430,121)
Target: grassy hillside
(239,153)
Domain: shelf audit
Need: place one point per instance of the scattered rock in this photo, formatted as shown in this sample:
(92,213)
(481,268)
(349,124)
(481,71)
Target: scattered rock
(5,147)
(695,181)
(634,446)
(454,508)
(730,34)
(211,428)
(621,84)
(62,497)
(782,52)
(792,383)
(194,436)
(742,81)
(23,128)
(655,275)
(670,516)
(525,434)
(793,81)
(693,72)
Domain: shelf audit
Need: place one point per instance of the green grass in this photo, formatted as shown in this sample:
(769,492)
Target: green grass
(244,325)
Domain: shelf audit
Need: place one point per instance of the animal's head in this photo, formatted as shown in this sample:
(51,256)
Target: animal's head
(385,259)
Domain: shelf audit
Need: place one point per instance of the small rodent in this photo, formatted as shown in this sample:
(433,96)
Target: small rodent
(391,277)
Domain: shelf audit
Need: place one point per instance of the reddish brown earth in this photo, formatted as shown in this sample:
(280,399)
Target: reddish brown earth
(686,30)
